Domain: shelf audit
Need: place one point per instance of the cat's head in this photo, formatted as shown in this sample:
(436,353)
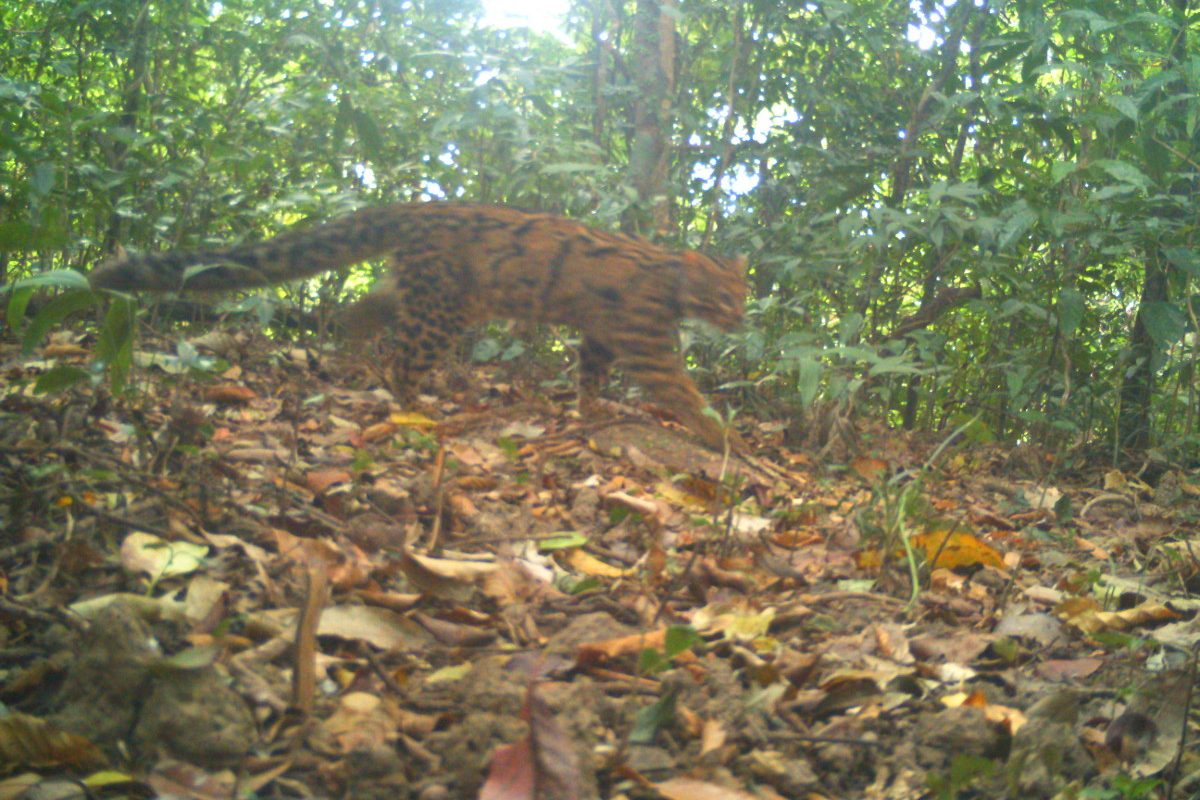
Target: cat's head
(714,289)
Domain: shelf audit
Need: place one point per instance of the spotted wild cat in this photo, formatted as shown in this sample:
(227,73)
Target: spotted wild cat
(454,265)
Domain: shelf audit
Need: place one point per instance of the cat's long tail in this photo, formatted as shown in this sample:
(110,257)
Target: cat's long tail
(294,254)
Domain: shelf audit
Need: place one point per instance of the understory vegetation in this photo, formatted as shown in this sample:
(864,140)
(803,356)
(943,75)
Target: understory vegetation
(950,210)
(947,548)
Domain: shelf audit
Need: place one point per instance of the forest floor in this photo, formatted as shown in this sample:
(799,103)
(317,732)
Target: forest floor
(264,582)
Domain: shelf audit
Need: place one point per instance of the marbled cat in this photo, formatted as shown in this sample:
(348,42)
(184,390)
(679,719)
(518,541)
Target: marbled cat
(454,265)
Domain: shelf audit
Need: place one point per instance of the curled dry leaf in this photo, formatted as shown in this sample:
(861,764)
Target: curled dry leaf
(1085,615)
(592,653)
(378,432)
(445,578)
(647,507)
(736,621)
(378,627)
(158,558)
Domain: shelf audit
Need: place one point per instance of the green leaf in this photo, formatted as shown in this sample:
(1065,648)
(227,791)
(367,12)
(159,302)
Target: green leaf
(12,90)
(55,312)
(369,135)
(849,328)
(652,662)
(968,192)
(42,179)
(344,118)
(1061,169)
(515,350)
(1125,105)
(653,717)
(1070,311)
(53,279)
(808,380)
(1185,259)
(17,305)
(1124,172)
(567,540)
(114,345)
(1114,190)
(1165,322)
(18,235)
(1021,218)
(485,349)
(588,584)
(1096,23)
(58,378)
(567,167)
(679,639)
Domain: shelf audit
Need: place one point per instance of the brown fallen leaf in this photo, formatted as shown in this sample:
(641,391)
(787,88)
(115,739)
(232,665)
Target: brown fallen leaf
(29,742)
(1068,669)
(869,469)
(652,510)
(318,481)
(229,394)
(542,764)
(692,789)
(512,774)
(444,578)
(64,351)
(453,634)
(383,629)
(378,432)
(712,736)
(594,653)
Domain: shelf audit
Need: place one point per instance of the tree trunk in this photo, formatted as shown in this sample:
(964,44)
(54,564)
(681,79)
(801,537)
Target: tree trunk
(653,60)
(134,92)
(1138,389)
(1135,423)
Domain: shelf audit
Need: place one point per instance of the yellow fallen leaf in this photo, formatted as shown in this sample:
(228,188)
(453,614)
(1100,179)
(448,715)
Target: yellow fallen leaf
(587,564)
(953,549)
(676,496)
(411,419)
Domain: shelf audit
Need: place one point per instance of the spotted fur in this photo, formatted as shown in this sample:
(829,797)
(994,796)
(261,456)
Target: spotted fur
(456,265)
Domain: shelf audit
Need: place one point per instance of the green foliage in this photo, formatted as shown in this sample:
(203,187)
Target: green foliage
(654,717)
(679,639)
(965,770)
(567,540)
(993,213)
(114,343)
(1124,787)
(114,347)
(975,171)
(54,312)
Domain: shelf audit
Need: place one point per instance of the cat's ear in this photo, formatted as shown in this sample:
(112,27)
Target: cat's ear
(741,263)
(119,252)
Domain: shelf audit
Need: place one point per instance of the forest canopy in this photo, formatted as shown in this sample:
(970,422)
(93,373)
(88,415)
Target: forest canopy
(973,210)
